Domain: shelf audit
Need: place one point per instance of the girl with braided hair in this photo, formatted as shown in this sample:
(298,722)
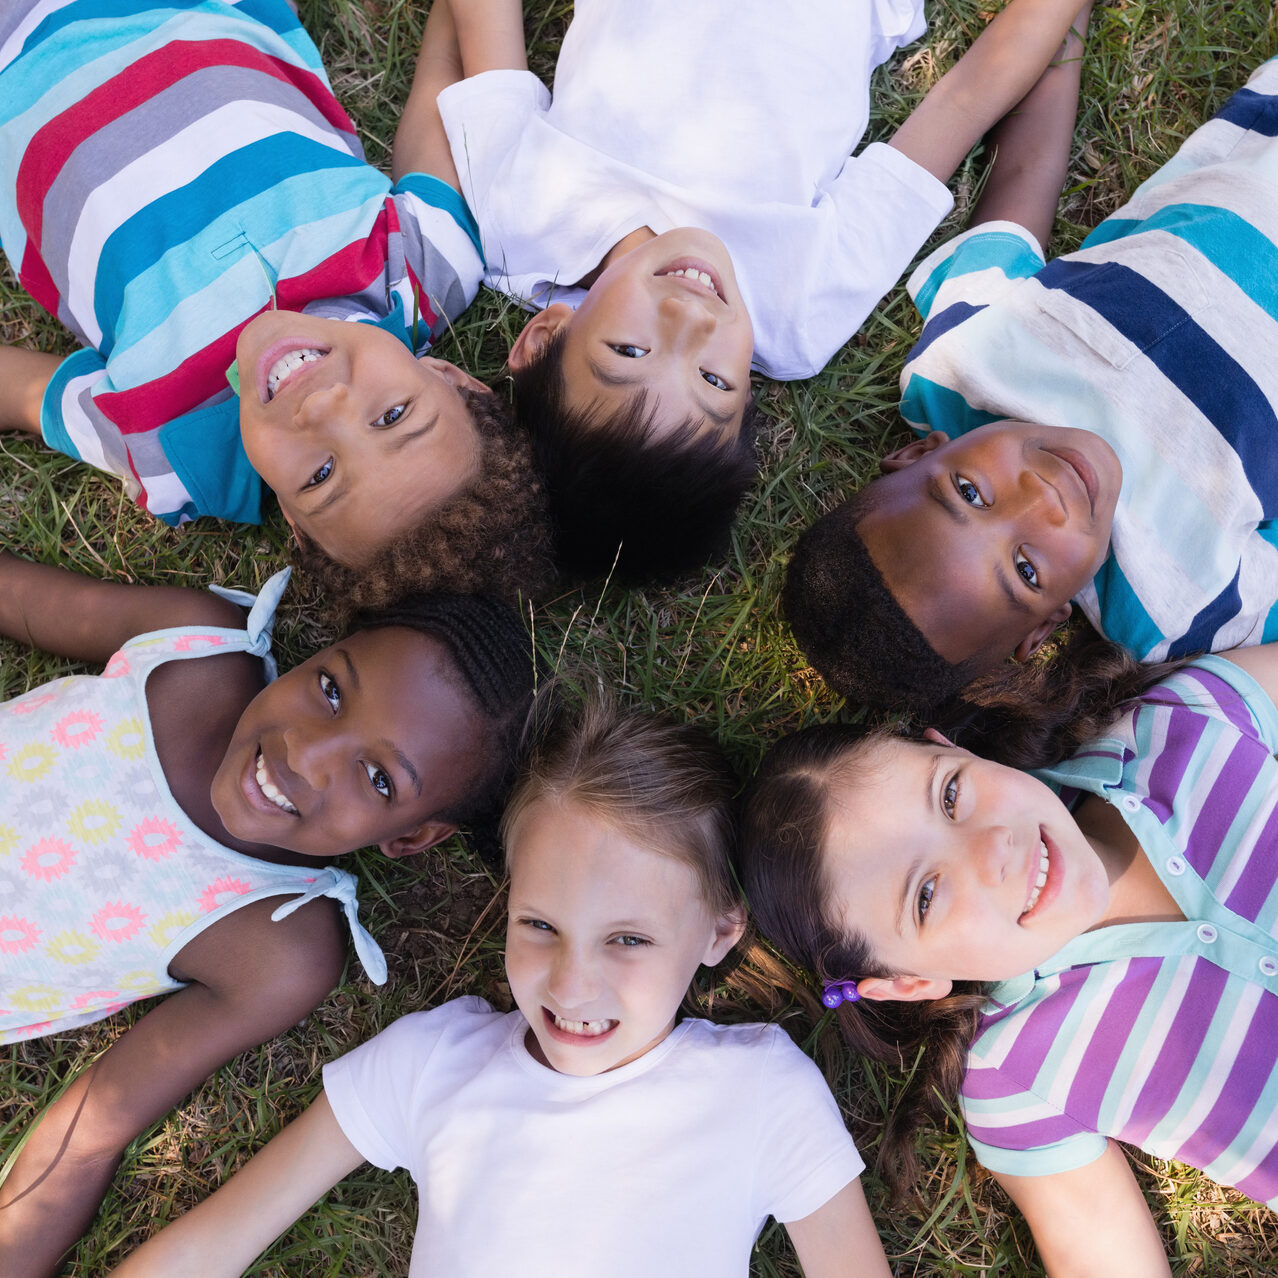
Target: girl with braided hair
(167,827)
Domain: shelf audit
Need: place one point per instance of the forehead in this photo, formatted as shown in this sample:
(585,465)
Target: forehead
(562,846)
(405,686)
(950,572)
(390,481)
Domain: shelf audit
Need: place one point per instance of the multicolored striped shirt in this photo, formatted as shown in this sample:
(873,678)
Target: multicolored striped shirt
(169,171)
(1159,335)
(1163,1035)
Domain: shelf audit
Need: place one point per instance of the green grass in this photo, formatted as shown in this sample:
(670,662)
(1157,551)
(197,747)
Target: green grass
(712,649)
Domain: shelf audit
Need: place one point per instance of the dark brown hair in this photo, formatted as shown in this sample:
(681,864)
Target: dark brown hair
(783,832)
(493,538)
(653,507)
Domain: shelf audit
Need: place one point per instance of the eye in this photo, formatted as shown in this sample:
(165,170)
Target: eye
(715,380)
(626,941)
(380,781)
(926,892)
(949,797)
(629,349)
(320,475)
(1027,571)
(969,492)
(391,416)
(330,691)
(537,925)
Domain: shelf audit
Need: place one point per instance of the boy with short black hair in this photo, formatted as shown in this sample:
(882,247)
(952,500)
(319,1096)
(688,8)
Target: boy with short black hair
(1112,420)
(686,207)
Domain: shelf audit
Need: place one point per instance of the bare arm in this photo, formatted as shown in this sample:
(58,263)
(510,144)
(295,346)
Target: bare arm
(1032,144)
(261,978)
(221,1237)
(1000,68)
(1261,662)
(1091,1222)
(462,38)
(86,619)
(24,375)
(839,1239)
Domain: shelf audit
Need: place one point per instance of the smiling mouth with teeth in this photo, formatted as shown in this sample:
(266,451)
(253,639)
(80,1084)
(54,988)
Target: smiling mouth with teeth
(585,1029)
(287,365)
(270,789)
(1044,864)
(703,278)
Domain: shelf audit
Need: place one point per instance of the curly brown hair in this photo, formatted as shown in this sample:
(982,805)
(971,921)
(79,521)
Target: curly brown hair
(493,538)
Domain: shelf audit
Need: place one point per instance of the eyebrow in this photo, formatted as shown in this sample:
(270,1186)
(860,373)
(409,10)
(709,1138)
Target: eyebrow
(936,492)
(351,673)
(401,439)
(406,763)
(334,495)
(607,376)
(903,907)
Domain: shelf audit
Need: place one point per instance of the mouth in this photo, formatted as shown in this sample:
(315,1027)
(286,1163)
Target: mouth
(568,1031)
(282,361)
(270,790)
(696,274)
(1040,871)
(1083,472)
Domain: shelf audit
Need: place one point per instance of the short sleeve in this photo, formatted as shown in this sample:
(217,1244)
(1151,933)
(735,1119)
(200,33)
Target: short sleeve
(806,1154)
(191,466)
(951,287)
(441,245)
(1216,687)
(974,269)
(376,1089)
(485,117)
(1014,1131)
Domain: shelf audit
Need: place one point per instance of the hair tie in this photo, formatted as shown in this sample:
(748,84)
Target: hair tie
(840,992)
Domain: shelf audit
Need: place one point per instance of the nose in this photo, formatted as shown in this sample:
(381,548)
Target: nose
(325,407)
(1033,498)
(574,981)
(308,754)
(686,318)
(991,852)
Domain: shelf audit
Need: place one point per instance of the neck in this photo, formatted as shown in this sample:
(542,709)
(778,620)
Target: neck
(1136,893)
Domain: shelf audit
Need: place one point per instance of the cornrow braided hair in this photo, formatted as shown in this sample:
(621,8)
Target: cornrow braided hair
(851,628)
(494,656)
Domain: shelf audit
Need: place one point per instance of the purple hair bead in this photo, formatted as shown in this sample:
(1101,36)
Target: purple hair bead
(840,992)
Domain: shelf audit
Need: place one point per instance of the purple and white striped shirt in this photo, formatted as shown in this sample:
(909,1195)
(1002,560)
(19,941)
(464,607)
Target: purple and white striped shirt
(1163,1035)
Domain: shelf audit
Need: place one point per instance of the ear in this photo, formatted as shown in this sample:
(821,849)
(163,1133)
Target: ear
(931,734)
(454,375)
(902,989)
(728,928)
(1038,636)
(912,452)
(424,836)
(538,332)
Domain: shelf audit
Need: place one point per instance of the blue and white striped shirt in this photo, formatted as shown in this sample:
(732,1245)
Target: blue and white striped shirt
(1160,336)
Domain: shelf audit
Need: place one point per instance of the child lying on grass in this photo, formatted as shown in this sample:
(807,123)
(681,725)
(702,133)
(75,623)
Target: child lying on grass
(590,1130)
(686,204)
(1102,427)
(165,828)
(179,186)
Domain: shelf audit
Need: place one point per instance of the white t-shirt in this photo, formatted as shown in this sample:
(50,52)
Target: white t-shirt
(735,117)
(667,1166)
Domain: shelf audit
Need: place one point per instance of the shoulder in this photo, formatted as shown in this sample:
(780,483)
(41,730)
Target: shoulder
(975,267)
(290,963)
